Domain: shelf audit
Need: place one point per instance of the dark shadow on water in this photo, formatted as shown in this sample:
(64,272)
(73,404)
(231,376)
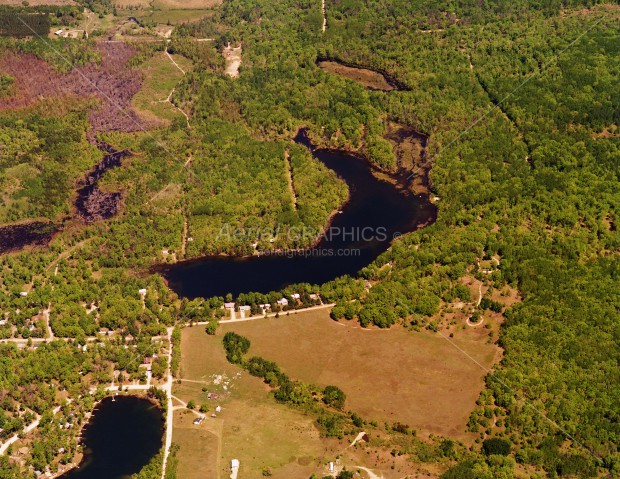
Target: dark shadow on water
(377,212)
(121,437)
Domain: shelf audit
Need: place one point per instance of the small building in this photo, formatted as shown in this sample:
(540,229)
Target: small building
(218,409)
(265,307)
(229,305)
(283,302)
(58,32)
(3,322)
(245,308)
(23,294)
(234,464)
(142,291)
(295,296)
(314,297)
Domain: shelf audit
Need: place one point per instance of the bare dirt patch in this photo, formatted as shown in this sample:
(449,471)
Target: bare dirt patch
(420,379)
(232,55)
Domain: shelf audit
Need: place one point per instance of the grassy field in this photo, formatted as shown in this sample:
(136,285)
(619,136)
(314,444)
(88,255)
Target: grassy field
(160,77)
(388,375)
(174,16)
(198,446)
(421,379)
(251,427)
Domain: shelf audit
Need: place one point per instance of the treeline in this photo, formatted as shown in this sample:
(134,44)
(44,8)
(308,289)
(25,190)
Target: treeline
(288,391)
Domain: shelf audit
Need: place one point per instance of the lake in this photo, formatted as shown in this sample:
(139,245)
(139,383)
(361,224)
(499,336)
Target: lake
(122,436)
(377,212)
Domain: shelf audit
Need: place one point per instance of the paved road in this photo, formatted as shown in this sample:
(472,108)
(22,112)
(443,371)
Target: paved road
(169,411)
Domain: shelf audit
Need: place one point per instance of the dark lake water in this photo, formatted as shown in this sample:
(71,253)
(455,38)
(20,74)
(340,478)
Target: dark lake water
(377,212)
(120,439)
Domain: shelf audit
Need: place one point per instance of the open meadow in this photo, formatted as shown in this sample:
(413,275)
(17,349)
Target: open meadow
(251,426)
(161,75)
(423,379)
(417,378)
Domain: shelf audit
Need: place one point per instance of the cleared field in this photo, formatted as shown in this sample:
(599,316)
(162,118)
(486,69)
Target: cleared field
(251,426)
(38,2)
(160,77)
(197,445)
(420,379)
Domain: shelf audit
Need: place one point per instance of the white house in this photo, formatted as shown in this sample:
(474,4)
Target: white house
(295,296)
(229,305)
(283,302)
(58,32)
(142,291)
(23,294)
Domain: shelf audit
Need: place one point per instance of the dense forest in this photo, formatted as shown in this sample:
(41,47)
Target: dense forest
(519,102)
(519,107)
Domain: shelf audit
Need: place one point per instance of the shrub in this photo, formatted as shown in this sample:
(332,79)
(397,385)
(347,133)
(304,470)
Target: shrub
(496,446)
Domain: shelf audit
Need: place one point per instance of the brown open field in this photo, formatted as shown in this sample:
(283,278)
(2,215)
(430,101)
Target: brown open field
(38,2)
(421,379)
(393,375)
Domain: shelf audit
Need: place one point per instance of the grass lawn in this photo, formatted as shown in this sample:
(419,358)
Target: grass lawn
(198,446)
